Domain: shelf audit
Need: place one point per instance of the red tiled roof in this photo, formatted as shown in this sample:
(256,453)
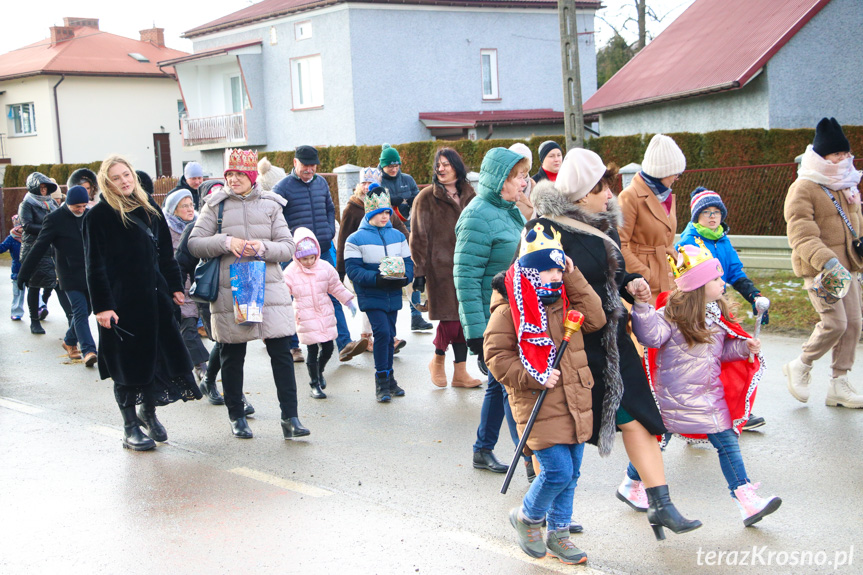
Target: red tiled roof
(90,52)
(276,8)
(496,117)
(714,45)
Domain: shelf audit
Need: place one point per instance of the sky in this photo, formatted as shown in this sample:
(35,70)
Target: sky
(28,22)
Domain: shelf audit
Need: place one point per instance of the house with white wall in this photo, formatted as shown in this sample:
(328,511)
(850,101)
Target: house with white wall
(84,93)
(283,73)
(734,64)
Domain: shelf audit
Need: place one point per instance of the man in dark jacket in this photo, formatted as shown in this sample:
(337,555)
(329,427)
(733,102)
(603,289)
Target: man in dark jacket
(62,230)
(193,177)
(311,206)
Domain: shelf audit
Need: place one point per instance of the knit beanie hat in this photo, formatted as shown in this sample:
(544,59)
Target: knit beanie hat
(546,147)
(695,267)
(193,170)
(579,173)
(829,138)
(703,198)
(523,150)
(77,195)
(306,247)
(269,175)
(173,200)
(370,175)
(663,158)
(389,156)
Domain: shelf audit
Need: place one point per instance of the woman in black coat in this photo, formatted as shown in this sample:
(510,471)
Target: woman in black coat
(132,277)
(36,205)
(580,205)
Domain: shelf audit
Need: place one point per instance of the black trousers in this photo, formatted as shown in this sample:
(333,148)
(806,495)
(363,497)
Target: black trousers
(233,359)
(318,361)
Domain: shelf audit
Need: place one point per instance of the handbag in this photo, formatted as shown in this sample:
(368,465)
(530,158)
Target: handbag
(856,243)
(205,284)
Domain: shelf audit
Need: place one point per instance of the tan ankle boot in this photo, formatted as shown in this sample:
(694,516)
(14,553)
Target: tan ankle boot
(437,370)
(461,378)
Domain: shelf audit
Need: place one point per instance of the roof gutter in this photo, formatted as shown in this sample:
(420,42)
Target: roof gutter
(57,117)
(734,84)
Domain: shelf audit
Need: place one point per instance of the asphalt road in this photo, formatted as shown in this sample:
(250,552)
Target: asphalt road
(381,488)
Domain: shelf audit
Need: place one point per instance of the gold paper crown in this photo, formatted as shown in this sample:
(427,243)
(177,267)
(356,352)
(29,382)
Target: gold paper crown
(376,201)
(689,261)
(241,160)
(540,242)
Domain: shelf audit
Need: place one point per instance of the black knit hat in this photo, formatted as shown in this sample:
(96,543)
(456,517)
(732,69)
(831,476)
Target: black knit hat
(829,138)
(146,181)
(546,147)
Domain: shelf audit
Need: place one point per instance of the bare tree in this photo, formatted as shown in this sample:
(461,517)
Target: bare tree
(638,14)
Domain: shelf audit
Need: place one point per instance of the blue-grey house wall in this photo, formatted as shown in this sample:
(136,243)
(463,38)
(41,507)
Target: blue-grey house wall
(256,116)
(819,72)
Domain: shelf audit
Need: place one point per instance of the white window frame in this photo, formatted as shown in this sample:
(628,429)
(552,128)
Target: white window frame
(493,91)
(303,30)
(307,82)
(31,123)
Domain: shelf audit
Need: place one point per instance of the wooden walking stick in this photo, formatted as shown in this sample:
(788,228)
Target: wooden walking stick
(572,324)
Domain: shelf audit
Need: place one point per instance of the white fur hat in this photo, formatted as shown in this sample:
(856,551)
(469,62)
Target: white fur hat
(579,173)
(523,150)
(269,175)
(663,158)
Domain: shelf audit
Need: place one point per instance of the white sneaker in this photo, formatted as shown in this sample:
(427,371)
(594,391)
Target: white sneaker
(632,493)
(799,378)
(752,507)
(841,394)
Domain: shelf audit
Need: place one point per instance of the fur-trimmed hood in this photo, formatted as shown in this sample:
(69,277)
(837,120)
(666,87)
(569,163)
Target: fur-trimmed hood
(548,201)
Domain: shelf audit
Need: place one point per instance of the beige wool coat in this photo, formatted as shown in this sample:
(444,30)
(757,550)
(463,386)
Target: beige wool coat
(817,232)
(647,235)
(257,216)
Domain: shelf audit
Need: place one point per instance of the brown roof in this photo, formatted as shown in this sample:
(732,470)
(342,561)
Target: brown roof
(90,52)
(276,8)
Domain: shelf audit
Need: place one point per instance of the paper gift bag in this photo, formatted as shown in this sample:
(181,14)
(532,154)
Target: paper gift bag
(247,288)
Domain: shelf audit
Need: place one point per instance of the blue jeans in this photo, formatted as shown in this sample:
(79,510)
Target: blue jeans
(344,334)
(79,330)
(415,300)
(17,300)
(551,493)
(383,330)
(494,407)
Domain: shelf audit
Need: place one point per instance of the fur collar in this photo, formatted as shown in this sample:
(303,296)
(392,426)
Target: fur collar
(549,201)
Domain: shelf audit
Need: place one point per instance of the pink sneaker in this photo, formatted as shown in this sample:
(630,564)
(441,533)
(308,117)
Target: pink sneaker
(752,507)
(632,493)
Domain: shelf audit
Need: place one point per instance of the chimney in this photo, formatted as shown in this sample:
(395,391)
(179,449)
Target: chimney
(155,36)
(61,33)
(78,22)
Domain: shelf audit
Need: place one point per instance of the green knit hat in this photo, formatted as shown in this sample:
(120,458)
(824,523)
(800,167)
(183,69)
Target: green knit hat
(389,156)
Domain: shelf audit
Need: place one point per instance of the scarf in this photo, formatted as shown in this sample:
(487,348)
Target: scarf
(655,184)
(709,234)
(42,202)
(177,224)
(838,177)
(536,349)
(552,176)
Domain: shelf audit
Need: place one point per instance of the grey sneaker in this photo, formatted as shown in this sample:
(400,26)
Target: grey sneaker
(560,546)
(529,535)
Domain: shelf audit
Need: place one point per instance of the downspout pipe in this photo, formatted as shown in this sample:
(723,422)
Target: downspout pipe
(57,117)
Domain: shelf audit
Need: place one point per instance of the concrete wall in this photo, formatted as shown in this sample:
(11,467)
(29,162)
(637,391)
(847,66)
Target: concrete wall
(40,148)
(819,72)
(256,114)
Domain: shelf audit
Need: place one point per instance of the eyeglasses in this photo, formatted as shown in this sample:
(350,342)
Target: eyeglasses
(711,213)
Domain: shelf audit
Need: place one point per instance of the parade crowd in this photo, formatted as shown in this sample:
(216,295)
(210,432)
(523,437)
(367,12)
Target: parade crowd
(660,353)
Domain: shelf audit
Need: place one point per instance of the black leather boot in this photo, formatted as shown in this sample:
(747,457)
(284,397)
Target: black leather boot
(211,392)
(133,437)
(321,379)
(36,327)
(395,390)
(240,428)
(661,512)
(155,429)
(292,428)
(485,459)
(314,379)
(382,387)
(247,407)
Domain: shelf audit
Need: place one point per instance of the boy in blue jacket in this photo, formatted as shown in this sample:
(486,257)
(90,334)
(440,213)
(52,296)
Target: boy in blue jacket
(708,223)
(12,244)
(373,261)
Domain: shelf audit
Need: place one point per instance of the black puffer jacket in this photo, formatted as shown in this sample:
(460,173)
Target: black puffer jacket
(309,206)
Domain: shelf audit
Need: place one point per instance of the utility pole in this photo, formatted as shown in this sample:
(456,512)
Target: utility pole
(573,112)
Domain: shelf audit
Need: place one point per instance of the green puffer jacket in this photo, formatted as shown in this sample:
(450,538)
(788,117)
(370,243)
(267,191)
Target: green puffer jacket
(487,235)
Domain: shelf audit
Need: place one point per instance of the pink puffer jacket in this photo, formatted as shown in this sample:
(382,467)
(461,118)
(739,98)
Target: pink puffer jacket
(313,309)
(690,395)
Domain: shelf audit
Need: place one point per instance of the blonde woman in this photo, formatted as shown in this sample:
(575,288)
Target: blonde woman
(133,278)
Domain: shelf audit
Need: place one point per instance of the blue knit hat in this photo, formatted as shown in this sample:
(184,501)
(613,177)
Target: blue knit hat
(703,198)
(77,195)
(541,249)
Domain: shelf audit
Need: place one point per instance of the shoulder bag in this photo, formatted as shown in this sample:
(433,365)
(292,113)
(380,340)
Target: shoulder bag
(205,284)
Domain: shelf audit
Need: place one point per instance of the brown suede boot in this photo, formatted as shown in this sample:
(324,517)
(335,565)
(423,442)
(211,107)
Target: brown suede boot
(461,378)
(438,371)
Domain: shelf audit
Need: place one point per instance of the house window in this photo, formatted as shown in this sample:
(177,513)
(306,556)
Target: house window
(239,98)
(23,118)
(307,82)
(303,30)
(490,89)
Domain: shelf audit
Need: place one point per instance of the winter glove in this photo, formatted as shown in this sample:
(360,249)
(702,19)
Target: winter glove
(765,319)
(353,308)
(420,284)
(21,283)
(474,344)
(382,283)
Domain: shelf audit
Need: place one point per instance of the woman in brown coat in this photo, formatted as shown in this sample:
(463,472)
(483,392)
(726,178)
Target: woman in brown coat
(435,213)
(649,217)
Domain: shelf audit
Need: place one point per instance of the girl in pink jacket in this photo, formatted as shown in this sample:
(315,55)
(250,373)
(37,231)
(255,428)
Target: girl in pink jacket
(699,368)
(311,281)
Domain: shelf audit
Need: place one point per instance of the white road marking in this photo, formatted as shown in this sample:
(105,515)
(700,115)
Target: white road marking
(18,406)
(295,486)
(111,432)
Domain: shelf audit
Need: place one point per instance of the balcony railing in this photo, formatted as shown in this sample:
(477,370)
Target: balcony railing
(214,130)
